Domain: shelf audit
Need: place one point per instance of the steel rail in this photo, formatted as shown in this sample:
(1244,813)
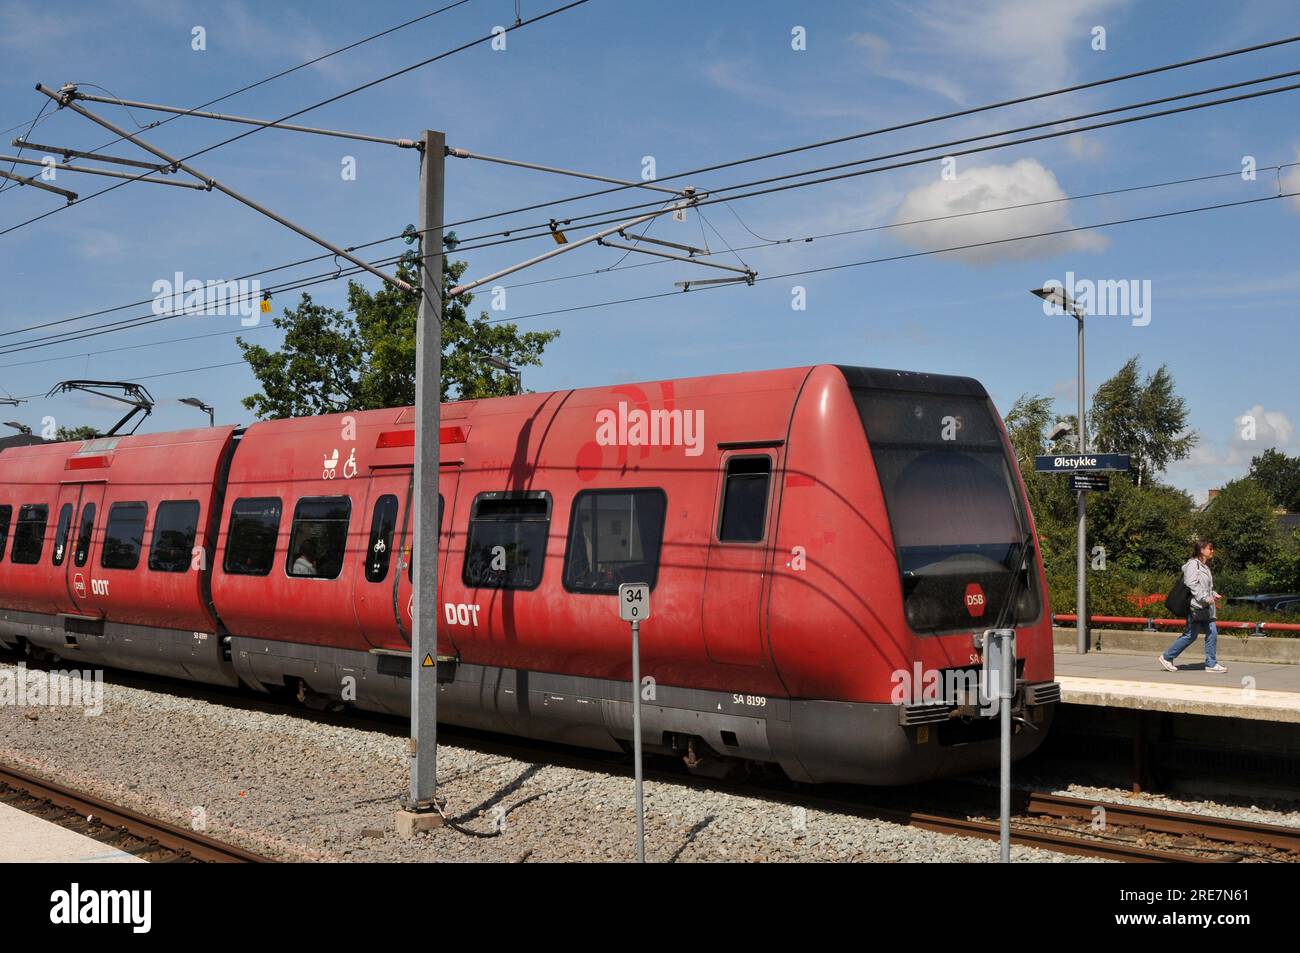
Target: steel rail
(170,836)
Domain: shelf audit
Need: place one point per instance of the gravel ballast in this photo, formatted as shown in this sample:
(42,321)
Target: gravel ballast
(296,788)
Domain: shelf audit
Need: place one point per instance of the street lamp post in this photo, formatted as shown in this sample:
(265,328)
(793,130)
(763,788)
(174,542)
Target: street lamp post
(1057,296)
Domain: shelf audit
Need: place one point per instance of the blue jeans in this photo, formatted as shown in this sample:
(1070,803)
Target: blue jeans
(1194,628)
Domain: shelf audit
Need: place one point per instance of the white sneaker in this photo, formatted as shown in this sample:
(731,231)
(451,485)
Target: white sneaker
(1217,669)
(1167,665)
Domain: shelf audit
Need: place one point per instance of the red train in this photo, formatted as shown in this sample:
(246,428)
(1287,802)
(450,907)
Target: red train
(820,542)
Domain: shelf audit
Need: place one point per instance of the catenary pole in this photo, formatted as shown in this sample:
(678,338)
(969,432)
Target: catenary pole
(428,390)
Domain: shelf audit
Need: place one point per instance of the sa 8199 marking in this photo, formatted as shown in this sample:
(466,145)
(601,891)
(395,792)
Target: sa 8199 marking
(750,701)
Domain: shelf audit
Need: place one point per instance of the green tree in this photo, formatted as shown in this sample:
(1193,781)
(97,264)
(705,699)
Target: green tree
(1240,523)
(76,433)
(1143,418)
(1141,527)
(1279,475)
(333,361)
(1028,424)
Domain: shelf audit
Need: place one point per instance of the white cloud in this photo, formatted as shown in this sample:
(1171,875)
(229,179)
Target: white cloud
(1044,40)
(1291,183)
(881,63)
(993,187)
(1212,464)
(1083,147)
(1272,428)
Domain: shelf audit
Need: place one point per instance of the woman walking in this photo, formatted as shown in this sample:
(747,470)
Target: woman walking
(1201,615)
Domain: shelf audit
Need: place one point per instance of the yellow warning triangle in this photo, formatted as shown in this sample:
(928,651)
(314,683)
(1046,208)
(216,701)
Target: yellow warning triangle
(428,661)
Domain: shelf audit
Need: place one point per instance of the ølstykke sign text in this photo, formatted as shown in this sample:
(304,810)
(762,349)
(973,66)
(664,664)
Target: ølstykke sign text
(1075,462)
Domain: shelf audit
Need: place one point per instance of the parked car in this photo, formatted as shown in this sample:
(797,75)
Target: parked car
(1269,601)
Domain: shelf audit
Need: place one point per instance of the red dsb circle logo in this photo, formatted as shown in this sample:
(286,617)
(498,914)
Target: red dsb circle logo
(975,599)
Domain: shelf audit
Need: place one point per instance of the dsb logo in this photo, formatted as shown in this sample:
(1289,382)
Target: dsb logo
(975,600)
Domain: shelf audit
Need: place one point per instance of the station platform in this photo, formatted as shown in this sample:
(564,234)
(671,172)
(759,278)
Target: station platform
(1125,673)
(1124,718)
(27,839)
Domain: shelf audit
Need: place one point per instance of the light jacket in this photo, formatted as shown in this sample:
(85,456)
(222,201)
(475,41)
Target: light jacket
(1199,579)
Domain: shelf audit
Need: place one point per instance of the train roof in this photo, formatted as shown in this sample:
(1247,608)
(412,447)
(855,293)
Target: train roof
(387,435)
(191,458)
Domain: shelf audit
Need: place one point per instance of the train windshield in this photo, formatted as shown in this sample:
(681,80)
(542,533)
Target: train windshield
(954,506)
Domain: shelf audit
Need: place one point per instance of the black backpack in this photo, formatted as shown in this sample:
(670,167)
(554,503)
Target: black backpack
(1179,600)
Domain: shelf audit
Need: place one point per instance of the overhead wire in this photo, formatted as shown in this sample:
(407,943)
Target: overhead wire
(829,268)
(943,149)
(897,127)
(714,198)
(310,281)
(306,109)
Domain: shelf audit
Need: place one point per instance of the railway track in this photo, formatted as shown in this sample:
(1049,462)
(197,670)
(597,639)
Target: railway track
(128,830)
(1129,833)
(1090,828)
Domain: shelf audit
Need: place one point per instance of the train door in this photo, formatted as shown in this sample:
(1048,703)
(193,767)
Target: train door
(80,544)
(733,612)
(385,595)
(379,609)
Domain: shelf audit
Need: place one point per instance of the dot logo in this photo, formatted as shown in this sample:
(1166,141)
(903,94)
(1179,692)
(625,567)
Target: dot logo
(975,600)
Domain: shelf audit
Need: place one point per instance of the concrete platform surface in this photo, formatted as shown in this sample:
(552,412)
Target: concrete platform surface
(1260,691)
(27,839)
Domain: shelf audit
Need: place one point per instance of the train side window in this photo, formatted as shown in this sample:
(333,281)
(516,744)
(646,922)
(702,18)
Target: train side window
(250,541)
(506,545)
(123,536)
(379,551)
(318,538)
(61,535)
(410,552)
(29,534)
(6,517)
(175,524)
(84,535)
(614,537)
(744,500)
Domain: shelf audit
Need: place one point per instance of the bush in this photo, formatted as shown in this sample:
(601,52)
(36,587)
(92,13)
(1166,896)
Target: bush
(1122,592)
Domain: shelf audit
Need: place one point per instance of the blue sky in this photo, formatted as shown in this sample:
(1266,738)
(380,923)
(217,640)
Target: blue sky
(690,84)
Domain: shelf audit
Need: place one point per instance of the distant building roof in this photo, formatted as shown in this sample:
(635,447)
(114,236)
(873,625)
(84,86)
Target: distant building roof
(1289,522)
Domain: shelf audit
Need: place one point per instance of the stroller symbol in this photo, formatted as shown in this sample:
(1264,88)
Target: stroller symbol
(331,467)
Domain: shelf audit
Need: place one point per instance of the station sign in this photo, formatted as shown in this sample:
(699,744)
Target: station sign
(1082,462)
(1089,482)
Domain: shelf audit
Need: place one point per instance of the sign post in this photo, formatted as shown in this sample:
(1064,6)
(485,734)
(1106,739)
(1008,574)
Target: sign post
(634,607)
(1000,683)
(1087,474)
